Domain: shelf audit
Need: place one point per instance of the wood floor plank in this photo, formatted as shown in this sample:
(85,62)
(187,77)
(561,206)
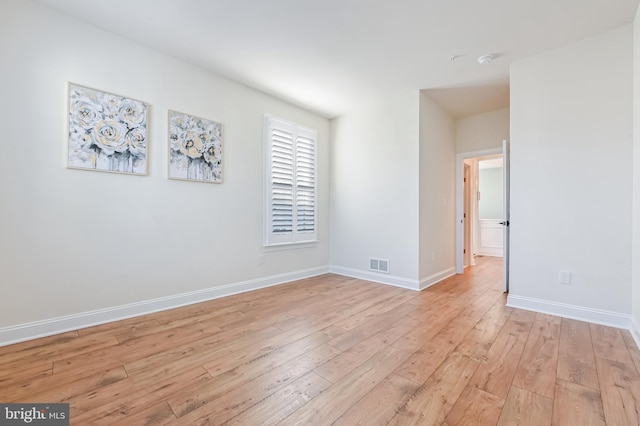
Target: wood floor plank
(524,408)
(227,359)
(608,343)
(576,360)
(620,390)
(114,403)
(114,328)
(337,350)
(24,374)
(265,362)
(498,367)
(628,339)
(57,351)
(241,375)
(428,358)
(634,350)
(15,348)
(537,368)
(576,405)
(60,389)
(217,405)
(157,414)
(478,341)
(377,324)
(133,349)
(191,353)
(429,327)
(277,406)
(378,306)
(479,306)
(341,365)
(355,301)
(340,310)
(432,402)
(220,318)
(475,407)
(469,308)
(379,406)
(635,355)
(273,314)
(335,401)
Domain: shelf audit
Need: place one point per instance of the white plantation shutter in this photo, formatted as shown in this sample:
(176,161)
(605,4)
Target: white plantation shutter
(282,180)
(290,183)
(305,181)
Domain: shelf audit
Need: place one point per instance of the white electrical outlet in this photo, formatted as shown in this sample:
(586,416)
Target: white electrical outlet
(565,277)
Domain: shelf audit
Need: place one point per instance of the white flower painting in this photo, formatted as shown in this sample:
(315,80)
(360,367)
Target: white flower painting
(106,132)
(195,148)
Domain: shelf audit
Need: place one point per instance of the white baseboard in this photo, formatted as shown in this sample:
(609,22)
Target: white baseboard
(436,278)
(491,252)
(37,329)
(34,330)
(580,313)
(376,277)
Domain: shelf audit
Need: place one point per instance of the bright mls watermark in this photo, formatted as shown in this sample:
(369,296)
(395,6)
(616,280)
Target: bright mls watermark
(34,414)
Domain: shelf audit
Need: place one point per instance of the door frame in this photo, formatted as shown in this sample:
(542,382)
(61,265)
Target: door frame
(459,245)
(467,258)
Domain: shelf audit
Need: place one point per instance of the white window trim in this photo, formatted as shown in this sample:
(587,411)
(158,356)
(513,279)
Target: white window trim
(271,240)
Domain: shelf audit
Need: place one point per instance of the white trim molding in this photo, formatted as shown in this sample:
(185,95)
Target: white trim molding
(437,277)
(37,329)
(581,313)
(376,277)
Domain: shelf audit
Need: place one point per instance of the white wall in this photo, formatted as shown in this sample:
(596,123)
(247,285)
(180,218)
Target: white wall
(374,189)
(482,131)
(571,171)
(75,241)
(437,192)
(636,177)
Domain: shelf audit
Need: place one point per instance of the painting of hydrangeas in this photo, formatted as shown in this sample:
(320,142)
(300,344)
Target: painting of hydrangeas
(106,132)
(195,148)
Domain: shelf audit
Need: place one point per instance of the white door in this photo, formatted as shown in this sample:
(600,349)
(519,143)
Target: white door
(467,216)
(505,215)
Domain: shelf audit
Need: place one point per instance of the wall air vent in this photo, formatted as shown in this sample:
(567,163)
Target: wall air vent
(379,265)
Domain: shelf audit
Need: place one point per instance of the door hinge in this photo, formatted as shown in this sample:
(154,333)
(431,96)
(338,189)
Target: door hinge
(465,179)
(464,215)
(464,251)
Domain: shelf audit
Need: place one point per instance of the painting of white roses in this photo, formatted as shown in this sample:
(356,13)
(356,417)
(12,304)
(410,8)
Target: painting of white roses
(107,132)
(195,148)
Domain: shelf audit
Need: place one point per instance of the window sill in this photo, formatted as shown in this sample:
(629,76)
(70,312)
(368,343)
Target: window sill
(290,246)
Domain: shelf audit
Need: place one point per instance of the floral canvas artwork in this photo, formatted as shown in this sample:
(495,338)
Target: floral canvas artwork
(195,148)
(107,132)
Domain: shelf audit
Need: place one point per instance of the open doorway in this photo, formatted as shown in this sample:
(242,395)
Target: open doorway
(481,182)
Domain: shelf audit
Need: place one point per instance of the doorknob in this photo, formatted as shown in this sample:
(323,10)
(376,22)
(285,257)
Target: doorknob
(505,223)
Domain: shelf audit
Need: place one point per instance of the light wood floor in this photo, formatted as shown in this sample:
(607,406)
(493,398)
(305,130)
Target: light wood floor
(336,350)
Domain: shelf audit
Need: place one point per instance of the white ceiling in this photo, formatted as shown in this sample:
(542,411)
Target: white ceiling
(331,55)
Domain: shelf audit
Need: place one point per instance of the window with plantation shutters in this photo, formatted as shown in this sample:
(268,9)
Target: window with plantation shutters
(290,191)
